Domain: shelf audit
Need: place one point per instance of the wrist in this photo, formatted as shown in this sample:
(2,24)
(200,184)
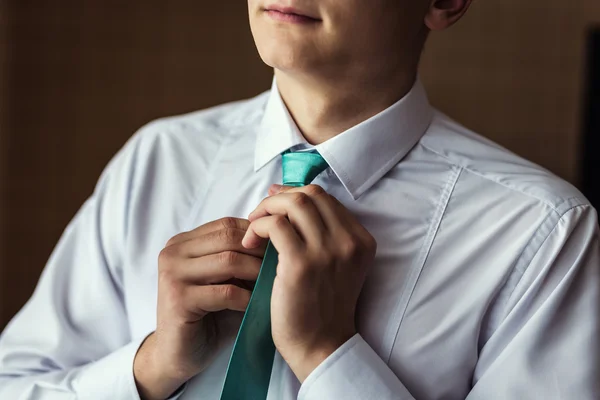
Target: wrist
(305,360)
(152,380)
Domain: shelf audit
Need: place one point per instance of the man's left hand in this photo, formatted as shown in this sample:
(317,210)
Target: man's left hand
(324,254)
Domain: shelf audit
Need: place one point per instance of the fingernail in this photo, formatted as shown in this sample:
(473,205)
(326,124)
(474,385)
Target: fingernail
(245,242)
(275,188)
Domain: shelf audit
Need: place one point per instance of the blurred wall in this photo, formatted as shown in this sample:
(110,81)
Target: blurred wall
(4,41)
(514,71)
(85,74)
(81,76)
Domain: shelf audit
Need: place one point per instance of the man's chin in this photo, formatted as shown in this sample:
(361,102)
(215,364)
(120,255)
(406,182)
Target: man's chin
(284,58)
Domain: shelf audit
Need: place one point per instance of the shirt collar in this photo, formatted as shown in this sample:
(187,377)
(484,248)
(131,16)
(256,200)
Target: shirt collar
(359,156)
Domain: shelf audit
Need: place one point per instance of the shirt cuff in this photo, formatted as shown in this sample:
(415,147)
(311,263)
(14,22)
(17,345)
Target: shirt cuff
(112,376)
(353,371)
(115,371)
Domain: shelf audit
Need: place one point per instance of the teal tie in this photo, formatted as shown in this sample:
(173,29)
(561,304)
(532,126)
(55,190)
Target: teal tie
(251,361)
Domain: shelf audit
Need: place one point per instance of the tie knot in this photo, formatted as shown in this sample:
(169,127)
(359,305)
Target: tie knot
(301,167)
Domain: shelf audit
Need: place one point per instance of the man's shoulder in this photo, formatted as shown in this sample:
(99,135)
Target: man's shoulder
(218,120)
(177,150)
(487,160)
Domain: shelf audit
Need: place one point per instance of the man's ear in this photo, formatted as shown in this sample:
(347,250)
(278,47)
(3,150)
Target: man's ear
(444,13)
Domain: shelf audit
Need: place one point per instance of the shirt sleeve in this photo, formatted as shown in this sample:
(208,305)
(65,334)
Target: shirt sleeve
(353,371)
(72,340)
(546,347)
(547,344)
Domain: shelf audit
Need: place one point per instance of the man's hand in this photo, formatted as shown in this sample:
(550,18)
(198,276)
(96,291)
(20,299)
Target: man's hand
(199,272)
(324,253)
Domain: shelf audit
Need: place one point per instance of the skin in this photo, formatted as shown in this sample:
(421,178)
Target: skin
(359,59)
(354,60)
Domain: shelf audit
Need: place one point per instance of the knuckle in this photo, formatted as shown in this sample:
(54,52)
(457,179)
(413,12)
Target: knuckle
(175,239)
(226,292)
(228,257)
(167,255)
(300,199)
(229,235)
(167,264)
(229,223)
(348,248)
(314,190)
(279,221)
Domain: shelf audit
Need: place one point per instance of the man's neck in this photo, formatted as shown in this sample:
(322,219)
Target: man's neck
(325,108)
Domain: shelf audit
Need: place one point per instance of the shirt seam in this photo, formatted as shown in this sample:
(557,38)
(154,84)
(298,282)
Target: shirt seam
(130,187)
(202,190)
(518,267)
(413,278)
(487,178)
(244,118)
(347,178)
(521,266)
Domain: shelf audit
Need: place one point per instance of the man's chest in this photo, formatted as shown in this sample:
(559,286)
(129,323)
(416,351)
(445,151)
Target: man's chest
(402,218)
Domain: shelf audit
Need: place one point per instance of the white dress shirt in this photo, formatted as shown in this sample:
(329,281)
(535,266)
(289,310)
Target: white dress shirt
(486,282)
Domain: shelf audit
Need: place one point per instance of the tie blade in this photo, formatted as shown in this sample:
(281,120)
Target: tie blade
(251,362)
(249,371)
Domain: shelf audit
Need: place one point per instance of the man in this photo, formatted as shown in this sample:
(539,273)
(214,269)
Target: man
(424,263)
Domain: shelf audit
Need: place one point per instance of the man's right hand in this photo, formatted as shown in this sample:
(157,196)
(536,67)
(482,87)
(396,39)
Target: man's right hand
(197,271)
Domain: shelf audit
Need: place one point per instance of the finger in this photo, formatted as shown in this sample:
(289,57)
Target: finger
(220,267)
(219,224)
(335,218)
(275,189)
(300,210)
(352,223)
(281,232)
(218,241)
(340,223)
(212,298)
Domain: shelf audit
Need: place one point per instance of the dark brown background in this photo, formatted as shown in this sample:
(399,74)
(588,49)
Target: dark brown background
(78,77)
